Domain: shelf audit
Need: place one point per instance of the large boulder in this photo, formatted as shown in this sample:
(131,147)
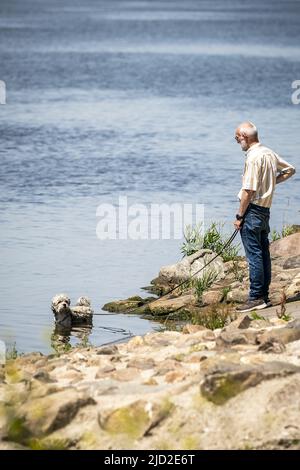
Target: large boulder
(292,262)
(40,416)
(189,265)
(136,419)
(165,306)
(227,380)
(285,335)
(286,247)
(292,291)
(130,305)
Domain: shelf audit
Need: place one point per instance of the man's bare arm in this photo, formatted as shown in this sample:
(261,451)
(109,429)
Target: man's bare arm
(247,195)
(285,176)
(245,200)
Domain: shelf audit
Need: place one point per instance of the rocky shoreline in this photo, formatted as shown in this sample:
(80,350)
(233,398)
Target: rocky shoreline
(230,286)
(236,386)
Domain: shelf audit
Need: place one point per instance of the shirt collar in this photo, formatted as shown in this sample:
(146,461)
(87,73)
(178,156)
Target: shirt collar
(258,144)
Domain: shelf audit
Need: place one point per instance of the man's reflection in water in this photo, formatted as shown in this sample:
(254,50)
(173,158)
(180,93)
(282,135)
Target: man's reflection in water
(60,338)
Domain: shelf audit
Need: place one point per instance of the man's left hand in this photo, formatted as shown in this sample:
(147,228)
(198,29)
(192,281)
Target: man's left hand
(238,224)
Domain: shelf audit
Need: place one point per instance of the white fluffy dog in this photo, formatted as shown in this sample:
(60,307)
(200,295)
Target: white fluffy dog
(66,316)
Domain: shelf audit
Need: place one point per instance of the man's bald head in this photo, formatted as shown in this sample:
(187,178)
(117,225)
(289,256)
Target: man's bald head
(248,128)
(246,135)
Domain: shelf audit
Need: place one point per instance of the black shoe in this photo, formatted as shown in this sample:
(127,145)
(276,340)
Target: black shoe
(256,304)
(268,302)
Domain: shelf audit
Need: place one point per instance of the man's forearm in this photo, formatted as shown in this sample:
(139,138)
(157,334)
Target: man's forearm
(245,200)
(284,176)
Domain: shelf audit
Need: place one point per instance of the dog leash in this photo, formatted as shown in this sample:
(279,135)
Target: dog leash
(229,241)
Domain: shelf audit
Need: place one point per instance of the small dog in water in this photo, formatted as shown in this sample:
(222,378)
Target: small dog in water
(67,316)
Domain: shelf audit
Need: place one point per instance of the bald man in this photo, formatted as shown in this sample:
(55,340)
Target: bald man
(263,170)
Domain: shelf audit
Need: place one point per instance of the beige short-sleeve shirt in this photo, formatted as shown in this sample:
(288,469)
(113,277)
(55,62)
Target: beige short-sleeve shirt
(261,168)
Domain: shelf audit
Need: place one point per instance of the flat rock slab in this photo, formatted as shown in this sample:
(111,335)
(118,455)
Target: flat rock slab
(287,246)
(227,380)
(292,309)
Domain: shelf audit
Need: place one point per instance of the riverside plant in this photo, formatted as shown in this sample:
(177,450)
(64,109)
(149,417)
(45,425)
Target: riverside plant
(195,238)
(212,317)
(12,352)
(285,232)
(204,282)
(282,313)
(255,316)
(225,292)
(217,316)
(200,284)
(237,272)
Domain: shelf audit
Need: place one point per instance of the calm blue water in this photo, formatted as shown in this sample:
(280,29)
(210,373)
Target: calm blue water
(136,98)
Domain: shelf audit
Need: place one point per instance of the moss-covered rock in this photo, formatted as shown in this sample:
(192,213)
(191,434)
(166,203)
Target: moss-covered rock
(228,380)
(137,419)
(165,306)
(127,305)
(40,416)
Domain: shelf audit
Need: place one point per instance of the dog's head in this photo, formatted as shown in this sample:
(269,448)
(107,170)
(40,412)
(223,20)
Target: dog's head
(60,303)
(83,302)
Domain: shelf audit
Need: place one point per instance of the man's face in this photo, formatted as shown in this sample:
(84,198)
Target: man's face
(242,139)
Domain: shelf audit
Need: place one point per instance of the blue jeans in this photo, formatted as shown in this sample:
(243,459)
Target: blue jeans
(254,234)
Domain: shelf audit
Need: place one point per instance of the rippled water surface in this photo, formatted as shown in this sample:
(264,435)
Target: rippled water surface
(135,98)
